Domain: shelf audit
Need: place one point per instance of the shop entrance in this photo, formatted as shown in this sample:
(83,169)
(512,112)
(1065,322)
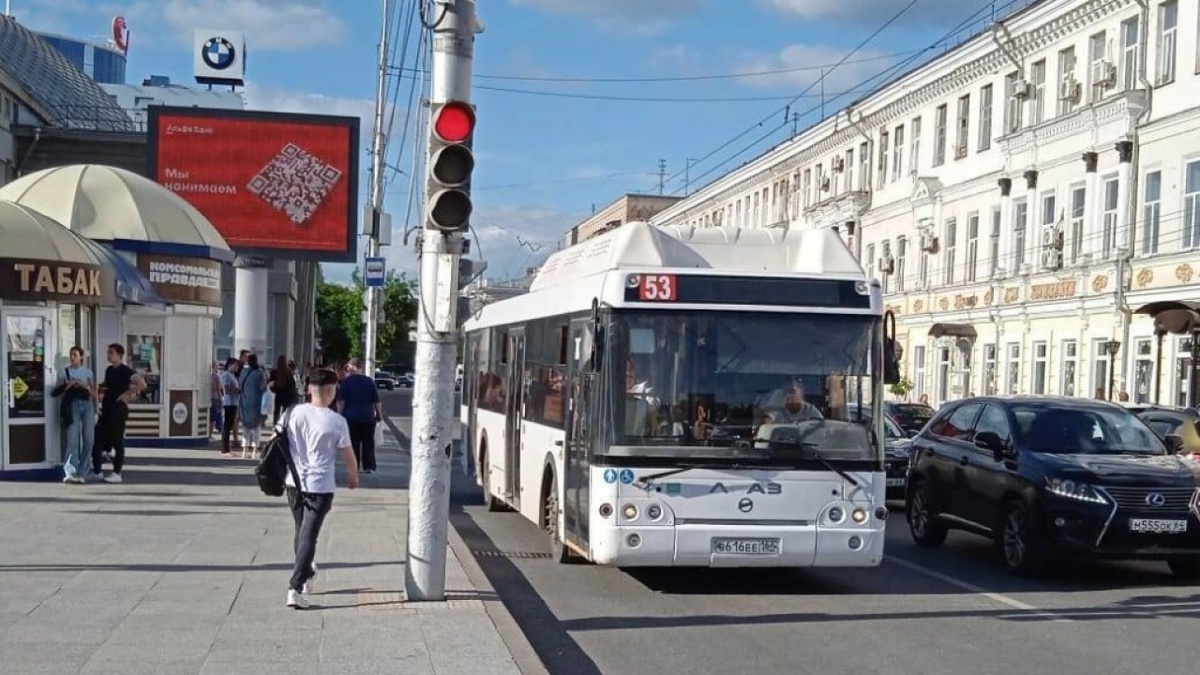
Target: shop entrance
(27,355)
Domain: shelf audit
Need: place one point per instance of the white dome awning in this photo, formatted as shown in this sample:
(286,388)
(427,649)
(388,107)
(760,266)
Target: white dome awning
(42,260)
(106,203)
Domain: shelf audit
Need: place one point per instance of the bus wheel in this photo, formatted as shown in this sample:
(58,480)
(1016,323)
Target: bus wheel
(559,552)
(485,471)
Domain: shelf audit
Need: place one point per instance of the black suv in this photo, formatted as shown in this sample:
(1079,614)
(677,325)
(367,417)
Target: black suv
(1047,476)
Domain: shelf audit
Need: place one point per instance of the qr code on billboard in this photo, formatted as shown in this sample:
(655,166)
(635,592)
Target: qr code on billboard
(295,182)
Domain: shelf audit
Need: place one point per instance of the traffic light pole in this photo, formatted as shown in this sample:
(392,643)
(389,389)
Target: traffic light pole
(454,27)
(378,145)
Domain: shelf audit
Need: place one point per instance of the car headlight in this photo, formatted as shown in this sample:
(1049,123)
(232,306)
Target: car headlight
(1073,490)
(899,451)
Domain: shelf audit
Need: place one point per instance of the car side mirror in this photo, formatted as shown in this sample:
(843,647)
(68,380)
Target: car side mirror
(990,440)
(1174,444)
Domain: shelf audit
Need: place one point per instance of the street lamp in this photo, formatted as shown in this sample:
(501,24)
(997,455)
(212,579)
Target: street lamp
(1112,347)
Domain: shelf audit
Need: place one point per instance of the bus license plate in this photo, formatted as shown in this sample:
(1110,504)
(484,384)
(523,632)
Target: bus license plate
(1157,526)
(895,482)
(739,546)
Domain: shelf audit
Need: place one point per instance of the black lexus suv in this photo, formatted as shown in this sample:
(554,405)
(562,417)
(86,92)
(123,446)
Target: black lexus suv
(1049,477)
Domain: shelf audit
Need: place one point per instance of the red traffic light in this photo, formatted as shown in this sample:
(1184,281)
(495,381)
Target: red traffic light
(455,121)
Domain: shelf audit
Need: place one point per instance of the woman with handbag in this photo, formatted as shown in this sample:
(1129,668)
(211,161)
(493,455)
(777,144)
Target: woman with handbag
(253,386)
(79,398)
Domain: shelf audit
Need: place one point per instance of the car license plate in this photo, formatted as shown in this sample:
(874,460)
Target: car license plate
(895,482)
(1157,526)
(740,546)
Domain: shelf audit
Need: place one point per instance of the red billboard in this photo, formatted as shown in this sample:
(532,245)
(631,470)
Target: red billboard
(275,185)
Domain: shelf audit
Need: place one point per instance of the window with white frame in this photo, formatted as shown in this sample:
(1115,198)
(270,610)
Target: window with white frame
(766,212)
(914,152)
(1049,201)
(919,371)
(989,370)
(1067,82)
(738,214)
(994,237)
(1070,367)
(972,247)
(796,196)
(1131,52)
(848,162)
(1012,378)
(1143,369)
(1078,202)
(807,188)
(1101,361)
(1109,245)
(951,249)
(871,261)
(1037,101)
(963,128)
(883,160)
(754,217)
(819,184)
(939,136)
(901,256)
(923,269)
(1097,53)
(886,278)
(864,167)
(1168,37)
(1014,106)
(898,152)
(1183,369)
(1191,206)
(1152,212)
(943,374)
(1041,361)
(985,117)
(1020,231)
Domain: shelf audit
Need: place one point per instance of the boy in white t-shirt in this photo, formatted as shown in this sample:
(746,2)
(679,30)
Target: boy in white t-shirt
(316,434)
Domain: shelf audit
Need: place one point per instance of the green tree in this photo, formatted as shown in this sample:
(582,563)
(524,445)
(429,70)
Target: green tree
(339,320)
(399,307)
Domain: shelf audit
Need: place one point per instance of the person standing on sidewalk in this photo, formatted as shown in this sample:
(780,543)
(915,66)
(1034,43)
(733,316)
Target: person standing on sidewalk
(253,385)
(81,429)
(358,401)
(231,395)
(316,436)
(121,386)
(283,385)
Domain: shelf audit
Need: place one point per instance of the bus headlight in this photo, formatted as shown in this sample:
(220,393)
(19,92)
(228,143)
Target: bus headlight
(859,516)
(654,512)
(629,511)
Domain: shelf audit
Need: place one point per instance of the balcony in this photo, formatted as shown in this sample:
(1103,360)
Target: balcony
(839,208)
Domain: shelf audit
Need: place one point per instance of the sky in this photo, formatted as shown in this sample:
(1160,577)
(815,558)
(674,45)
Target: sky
(578,100)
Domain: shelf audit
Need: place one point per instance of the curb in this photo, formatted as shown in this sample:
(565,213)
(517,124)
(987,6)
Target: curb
(519,647)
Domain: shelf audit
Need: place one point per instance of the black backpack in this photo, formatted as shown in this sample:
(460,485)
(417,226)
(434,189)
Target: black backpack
(276,462)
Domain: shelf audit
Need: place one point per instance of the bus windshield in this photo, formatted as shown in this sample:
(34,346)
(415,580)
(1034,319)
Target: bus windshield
(755,386)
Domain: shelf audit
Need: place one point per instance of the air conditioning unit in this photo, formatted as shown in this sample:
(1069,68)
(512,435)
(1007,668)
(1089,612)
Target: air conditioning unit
(960,152)
(839,164)
(1022,89)
(1052,239)
(1104,74)
(929,242)
(887,265)
(1051,259)
(1069,90)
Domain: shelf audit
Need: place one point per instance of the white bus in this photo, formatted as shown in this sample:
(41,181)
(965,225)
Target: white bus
(687,397)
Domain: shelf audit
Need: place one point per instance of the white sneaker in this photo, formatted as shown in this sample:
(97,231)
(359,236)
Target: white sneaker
(113,477)
(312,581)
(297,600)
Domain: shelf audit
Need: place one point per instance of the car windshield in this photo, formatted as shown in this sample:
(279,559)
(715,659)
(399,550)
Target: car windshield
(890,430)
(912,413)
(738,385)
(1064,428)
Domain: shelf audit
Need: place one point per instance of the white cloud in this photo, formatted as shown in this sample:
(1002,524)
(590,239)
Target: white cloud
(856,11)
(261,97)
(627,17)
(513,238)
(800,63)
(268,24)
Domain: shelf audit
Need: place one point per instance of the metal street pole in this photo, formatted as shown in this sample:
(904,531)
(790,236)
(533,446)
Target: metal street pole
(437,330)
(378,148)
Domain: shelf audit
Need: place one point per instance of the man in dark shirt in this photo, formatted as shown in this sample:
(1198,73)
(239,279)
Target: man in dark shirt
(358,402)
(120,387)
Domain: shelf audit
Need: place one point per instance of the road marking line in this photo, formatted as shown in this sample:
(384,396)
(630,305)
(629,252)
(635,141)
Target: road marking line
(966,586)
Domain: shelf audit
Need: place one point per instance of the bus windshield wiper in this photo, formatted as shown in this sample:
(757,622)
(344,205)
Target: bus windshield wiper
(645,481)
(812,447)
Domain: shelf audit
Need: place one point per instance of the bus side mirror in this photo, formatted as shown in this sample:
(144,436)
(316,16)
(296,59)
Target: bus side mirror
(891,350)
(597,348)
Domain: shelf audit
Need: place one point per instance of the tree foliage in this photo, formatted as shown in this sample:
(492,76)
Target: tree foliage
(339,319)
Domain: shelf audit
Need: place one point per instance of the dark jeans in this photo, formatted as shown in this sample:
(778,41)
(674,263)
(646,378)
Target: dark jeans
(362,439)
(309,511)
(231,413)
(110,435)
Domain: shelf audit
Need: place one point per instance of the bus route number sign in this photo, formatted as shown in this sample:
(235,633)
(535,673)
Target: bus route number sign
(658,288)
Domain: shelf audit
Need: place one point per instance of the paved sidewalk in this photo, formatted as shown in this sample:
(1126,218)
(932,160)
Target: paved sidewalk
(183,569)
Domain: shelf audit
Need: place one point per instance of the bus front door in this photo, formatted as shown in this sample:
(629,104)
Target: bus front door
(579,436)
(514,412)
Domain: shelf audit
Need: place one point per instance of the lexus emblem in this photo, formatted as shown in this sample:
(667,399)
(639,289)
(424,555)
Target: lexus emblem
(1156,499)
(745,505)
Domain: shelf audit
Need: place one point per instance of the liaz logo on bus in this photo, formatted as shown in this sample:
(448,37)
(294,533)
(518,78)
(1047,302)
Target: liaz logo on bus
(657,288)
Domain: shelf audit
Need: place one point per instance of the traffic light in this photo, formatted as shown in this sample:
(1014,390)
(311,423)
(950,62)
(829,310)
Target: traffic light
(450,166)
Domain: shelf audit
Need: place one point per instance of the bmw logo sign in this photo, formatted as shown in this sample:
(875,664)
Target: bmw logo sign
(218,53)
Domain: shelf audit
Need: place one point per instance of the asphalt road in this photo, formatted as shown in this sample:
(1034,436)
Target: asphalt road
(950,611)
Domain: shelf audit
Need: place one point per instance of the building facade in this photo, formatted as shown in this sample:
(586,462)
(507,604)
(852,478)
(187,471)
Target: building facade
(104,63)
(1019,198)
(625,209)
